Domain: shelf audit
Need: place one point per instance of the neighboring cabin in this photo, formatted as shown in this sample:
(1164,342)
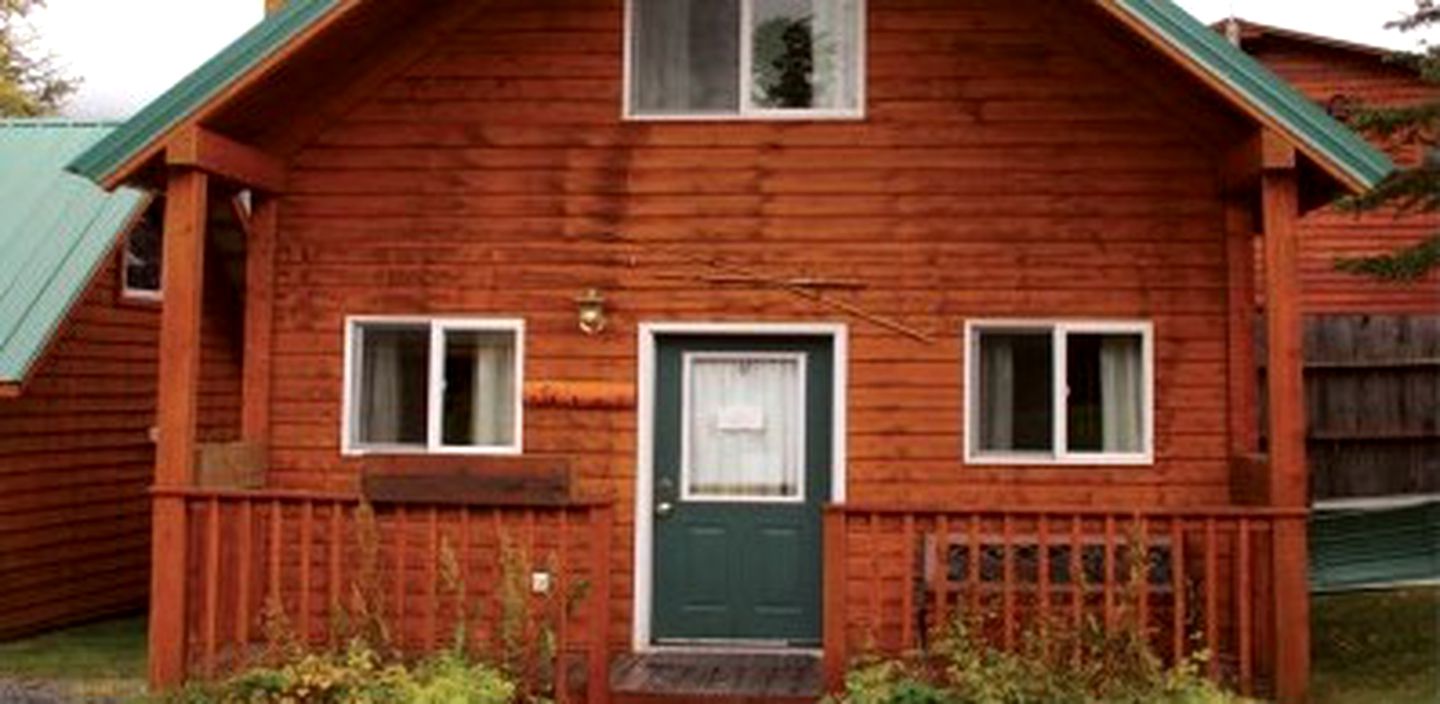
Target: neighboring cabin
(1340,76)
(79,325)
(773,327)
(77,384)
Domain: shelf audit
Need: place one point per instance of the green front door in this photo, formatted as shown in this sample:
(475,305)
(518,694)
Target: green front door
(743,430)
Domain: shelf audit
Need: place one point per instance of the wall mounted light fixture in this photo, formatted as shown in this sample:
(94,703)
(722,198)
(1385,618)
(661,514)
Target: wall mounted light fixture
(592,311)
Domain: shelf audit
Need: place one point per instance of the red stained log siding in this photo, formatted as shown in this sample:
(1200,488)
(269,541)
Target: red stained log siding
(1001,172)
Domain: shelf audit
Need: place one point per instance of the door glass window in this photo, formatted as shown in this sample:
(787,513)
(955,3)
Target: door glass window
(744,427)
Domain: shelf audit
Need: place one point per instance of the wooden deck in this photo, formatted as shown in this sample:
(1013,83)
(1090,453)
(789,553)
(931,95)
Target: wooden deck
(715,677)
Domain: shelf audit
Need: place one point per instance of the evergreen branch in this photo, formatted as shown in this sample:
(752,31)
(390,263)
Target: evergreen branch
(1404,266)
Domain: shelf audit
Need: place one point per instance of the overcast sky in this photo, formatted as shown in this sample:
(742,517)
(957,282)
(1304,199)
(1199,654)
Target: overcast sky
(126,54)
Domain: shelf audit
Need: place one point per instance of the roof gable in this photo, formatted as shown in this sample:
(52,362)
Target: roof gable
(1252,86)
(1225,68)
(55,230)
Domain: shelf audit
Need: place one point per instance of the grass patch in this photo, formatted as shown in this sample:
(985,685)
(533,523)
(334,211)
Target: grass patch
(105,659)
(1377,646)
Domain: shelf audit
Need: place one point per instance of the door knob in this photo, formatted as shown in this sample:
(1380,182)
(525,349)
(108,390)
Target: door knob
(664,509)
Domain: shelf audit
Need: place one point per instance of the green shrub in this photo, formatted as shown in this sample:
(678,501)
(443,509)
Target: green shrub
(1054,665)
(357,676)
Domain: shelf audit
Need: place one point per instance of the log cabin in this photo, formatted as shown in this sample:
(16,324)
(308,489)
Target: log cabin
(79,326)
(77,384)
(753,336)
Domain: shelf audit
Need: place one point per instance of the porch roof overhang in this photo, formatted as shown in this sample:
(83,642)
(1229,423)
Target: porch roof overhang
(253,61)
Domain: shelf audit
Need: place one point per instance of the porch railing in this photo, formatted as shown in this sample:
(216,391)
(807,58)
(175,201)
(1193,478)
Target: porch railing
(317,566)
(1202,583)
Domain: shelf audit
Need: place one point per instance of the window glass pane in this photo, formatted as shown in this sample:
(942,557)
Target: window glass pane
(392,385)
(805,54)
(745,428)
(1016,392)
(144,250)
(478,408)
(1105,397)
(686,56)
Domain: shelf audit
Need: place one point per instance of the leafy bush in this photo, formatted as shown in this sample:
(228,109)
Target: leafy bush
(1055,665)
(357,676)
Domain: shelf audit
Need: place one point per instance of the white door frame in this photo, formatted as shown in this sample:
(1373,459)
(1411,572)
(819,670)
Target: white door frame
(839,335)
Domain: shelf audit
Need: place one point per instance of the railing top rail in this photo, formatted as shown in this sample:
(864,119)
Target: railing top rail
(901,509)
(299,495)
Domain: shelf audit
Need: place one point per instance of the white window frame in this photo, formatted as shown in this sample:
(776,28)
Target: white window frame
(438,327)
(1060,330)
(687,415)
(128,292)
(747,111)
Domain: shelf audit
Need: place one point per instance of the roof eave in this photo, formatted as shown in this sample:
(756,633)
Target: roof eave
(1255,90)
(140,139)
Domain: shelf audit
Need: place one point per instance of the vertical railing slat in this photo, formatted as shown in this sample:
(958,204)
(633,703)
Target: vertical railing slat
(337,540)
(1141,553)
(1042,545)
(973,576)
(212,584)
(307,540)
(907,586)
(1109,578)
(874,615)
(942,574)
(244,547)
(1244,604)
(432,579)
(1007,589)
(562,626)
(1212,598)
(401,578)
(1178,587)
(1077,573)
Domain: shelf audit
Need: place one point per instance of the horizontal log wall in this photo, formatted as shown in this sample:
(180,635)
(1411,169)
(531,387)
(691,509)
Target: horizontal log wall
(1005,168)
(76,460)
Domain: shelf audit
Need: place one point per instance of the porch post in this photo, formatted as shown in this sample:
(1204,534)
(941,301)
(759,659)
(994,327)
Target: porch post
(259,301)
(183,282)
(1288,484)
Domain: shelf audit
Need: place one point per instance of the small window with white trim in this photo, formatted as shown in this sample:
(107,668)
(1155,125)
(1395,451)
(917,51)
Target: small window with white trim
(698,59)
(141,264)
(437,386)
(1066,393)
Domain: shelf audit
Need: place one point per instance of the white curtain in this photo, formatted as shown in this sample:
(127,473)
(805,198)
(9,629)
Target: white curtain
(685,56)
(1120,393)
(492,393)
(380,387)
(997,393)
(745,428)
(392,386)
(836,40)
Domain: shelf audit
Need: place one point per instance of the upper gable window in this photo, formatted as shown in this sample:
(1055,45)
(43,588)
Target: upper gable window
(144,249)
(763,59)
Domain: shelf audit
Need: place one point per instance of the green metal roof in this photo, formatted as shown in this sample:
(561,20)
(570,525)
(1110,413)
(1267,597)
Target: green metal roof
(233,62)
(1267,93)
(1272,95)
(56,229)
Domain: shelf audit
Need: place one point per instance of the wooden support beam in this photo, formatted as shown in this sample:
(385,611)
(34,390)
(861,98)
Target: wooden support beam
(217,155)
(260,230)
(1288,486)
(176,417)
(1243,371)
